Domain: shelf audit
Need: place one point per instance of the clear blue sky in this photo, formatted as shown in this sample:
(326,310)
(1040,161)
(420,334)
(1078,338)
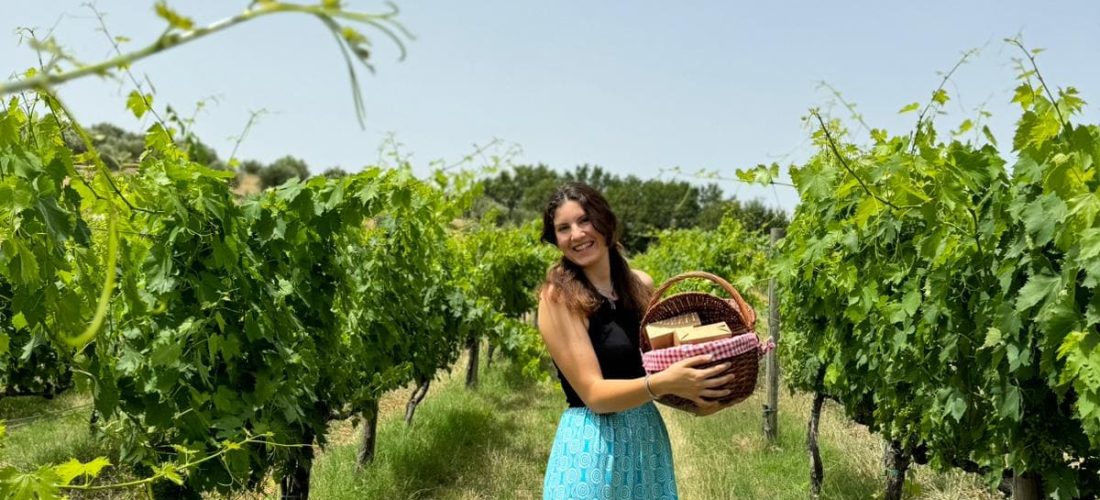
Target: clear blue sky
(634,86)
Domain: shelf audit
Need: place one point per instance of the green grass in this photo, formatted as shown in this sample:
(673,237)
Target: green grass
(60,433)
(52,431)
(493,443)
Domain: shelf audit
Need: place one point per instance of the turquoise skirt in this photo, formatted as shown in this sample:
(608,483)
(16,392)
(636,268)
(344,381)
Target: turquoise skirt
(623,455)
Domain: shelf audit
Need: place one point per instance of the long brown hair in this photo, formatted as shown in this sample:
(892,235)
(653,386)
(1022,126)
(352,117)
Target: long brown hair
(567,279)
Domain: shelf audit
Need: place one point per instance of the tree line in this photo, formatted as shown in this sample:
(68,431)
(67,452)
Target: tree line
(647,206)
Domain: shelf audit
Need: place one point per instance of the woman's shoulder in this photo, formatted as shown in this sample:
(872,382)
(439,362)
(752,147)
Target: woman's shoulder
(551,295)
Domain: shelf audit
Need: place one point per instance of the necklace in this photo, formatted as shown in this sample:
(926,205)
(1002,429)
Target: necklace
(608,293)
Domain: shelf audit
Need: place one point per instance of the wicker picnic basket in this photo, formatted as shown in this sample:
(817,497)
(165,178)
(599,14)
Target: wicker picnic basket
(742,351)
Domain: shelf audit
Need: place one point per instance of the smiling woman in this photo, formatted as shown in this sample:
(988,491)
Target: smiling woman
(611,441)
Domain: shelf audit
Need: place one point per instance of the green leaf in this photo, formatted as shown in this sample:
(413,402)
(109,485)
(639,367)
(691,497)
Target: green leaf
(1015,357)
(940,97)
(964,127)
(230,348)
(1042,217)
(992,338)
(28,263)
(911,301)
(175,20)
(868,208)
(956,407)
(909,108)
(166,353)
(169,472)
(19,321)
(158,274)
(1035,129)
(1070,343)
(69,470)
(1010,405)
(989,135)
(73,469)
(128,362)
(1038,288)
(138,103)
(38,485)
(58,225)
(1024,95)
(225,399)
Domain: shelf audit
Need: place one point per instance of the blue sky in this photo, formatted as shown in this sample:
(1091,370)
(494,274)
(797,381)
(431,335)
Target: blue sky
(637,87)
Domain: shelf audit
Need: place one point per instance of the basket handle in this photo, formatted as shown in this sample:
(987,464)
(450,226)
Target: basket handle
(746,310)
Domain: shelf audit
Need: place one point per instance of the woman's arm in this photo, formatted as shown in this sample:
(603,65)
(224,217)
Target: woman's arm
(566,339)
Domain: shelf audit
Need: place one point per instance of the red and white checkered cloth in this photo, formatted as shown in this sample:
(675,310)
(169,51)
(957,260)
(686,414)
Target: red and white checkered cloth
(659,359)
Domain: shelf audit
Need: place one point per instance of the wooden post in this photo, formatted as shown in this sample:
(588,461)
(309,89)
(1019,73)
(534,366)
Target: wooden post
(817,474)
(471,369)
(895,459)
(1027,486)
(771,407)
(415,400)
(370,435)
(295,481)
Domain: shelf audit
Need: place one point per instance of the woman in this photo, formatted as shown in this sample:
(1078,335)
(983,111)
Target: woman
(611,441)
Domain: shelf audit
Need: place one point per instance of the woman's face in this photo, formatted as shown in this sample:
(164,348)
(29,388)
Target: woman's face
(577,238)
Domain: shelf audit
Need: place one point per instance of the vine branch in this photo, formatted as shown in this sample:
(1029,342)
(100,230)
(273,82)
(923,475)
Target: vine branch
(1039,75)
(348,39)
(843,162)
(946,78)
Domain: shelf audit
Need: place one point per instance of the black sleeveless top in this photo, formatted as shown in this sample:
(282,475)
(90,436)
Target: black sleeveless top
(614,335)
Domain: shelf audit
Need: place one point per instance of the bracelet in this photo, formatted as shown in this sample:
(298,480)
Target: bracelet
(648,389)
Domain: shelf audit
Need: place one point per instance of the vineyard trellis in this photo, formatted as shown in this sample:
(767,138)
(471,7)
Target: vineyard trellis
(948,300)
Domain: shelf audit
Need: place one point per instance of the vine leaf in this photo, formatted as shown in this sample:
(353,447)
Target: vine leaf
(73,469)
(1039,287)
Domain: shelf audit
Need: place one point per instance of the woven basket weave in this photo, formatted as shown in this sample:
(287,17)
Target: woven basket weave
(737,314)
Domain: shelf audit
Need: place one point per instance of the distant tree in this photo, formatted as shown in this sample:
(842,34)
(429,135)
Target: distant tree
(334,173)
(522,193)
(122,148)
(118,147)
(251,167)
(282,170)
(649,206)
(594,176)
(753,215)
(200,152)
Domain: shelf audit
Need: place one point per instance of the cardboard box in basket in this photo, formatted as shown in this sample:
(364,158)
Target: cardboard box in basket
(665,333)
(703,334)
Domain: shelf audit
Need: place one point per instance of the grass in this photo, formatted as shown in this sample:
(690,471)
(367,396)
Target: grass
(493,443)
(727,456)
(44,431)
(52,431)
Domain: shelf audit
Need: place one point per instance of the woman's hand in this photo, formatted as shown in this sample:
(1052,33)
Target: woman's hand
(684,380)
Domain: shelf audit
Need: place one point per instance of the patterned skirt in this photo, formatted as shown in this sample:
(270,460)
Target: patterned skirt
(623,455)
